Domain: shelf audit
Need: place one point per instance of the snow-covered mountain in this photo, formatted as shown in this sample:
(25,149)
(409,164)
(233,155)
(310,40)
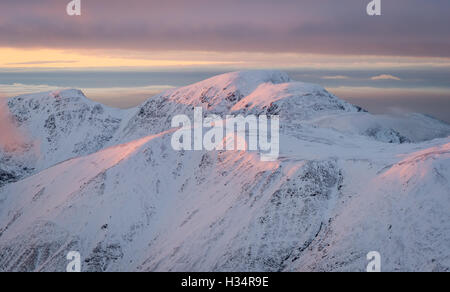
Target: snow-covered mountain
(106,182)
(58,126)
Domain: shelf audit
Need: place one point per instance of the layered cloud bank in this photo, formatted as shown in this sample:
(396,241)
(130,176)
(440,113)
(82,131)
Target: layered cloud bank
(407,27)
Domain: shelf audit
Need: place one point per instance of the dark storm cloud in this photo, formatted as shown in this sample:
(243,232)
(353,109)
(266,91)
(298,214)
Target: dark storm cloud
(407,27)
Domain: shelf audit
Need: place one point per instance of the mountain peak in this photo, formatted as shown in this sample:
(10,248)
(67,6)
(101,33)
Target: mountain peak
(222,92)
(247,81)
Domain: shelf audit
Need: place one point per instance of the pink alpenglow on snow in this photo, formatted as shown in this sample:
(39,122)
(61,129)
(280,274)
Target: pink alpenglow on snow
(11,138)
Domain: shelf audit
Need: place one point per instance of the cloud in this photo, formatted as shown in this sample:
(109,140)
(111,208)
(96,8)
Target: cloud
(431,101)
(11,90)
(385,77)
(42,62)
(336,77)
(124,97)
(407,28)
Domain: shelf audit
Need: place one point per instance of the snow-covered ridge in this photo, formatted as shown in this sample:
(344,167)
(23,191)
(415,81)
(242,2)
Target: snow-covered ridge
(66,124)
(105,182)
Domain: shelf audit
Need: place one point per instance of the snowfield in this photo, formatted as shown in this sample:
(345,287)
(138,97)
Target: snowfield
(106,182)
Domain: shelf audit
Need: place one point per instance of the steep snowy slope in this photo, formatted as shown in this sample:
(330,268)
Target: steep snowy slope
(57,126)
(334,194)
(401,211)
